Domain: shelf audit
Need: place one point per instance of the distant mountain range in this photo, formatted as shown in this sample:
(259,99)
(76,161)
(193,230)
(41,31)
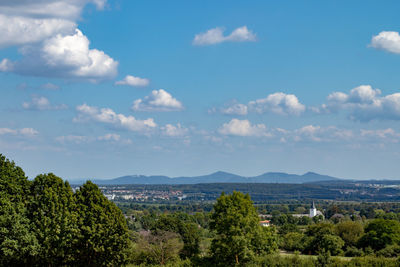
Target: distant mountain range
(217,177)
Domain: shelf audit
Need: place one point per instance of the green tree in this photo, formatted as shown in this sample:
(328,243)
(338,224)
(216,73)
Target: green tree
(321,237)
(239,237)
(103,238)
(13,183)
(18,243)
(189,232)
(349,231)
(293,241)
(160,248)
(287,228)
(379,233)
(52,211)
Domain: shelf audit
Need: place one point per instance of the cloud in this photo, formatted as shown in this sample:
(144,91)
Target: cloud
(158,100)
(364,104)
(109,117)
(50,86)
(41,103)
(110,137)
(235,109)
(243,128)
(133,81)
(76,139)
(27,132)
(25,22)
(388,134)
(279,103)
(67,9)
(388,41)
(174,131)
(81,139)
(216,36)
(24,30)
(50,42)
(65,57)
(6,65)
(321,134)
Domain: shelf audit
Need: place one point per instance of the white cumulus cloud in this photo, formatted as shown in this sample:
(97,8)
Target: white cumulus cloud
(363,103)
(158,100)
(133,81)
(110,117)
(279,103)
(174,131)
(66,56)
(235,109)
(388,41)
(243,128)
(216,36)
(50,42)
(18,30)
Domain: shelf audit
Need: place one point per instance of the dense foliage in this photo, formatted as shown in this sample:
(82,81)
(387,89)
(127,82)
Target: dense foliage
(43,223)
(239,236)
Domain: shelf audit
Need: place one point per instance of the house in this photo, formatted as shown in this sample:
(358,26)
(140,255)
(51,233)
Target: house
(265,223)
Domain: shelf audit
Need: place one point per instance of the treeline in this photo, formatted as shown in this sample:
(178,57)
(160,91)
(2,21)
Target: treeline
(44,223)
(262,193)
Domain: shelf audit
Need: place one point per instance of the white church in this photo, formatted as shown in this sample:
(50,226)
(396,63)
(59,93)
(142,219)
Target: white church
(313,212)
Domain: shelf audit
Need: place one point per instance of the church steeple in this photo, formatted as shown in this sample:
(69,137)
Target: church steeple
(313,210)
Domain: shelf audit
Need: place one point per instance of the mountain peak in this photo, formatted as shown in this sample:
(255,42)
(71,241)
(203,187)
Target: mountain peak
(310,173)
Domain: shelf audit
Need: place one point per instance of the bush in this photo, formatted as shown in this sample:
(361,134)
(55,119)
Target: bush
(353,252)
(389,251)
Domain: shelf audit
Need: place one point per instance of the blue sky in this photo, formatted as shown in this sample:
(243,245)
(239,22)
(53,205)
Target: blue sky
(97,88)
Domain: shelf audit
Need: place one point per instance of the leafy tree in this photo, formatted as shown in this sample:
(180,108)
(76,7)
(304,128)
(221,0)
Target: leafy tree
(188,231)
(322,237)
(103,238)
(332,210)
(18,243)
(305,220)
(379,233)
(13,183)
(293,241)
(368,213)
(162,248)
(349,231)
(287,228)
(239,237)
(52,211)
(331,243)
